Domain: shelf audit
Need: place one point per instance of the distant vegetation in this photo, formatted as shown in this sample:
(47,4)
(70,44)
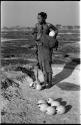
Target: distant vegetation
(19,28)
(16,28)
(67,27)
(18,32)
(19,44)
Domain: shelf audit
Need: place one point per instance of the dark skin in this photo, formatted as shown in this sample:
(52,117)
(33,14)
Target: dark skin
(42,20)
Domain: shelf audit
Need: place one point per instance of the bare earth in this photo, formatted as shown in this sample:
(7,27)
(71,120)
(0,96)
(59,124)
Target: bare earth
(22,107)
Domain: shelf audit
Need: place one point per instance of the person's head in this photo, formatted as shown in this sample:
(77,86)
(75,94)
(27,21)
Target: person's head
(42,16)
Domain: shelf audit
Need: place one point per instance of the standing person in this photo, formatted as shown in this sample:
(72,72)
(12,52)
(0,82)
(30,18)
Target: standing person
(44,52)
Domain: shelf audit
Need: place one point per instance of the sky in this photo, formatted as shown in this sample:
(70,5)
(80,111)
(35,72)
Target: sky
(24,13)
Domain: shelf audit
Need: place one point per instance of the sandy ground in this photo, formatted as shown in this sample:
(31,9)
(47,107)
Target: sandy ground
(22,107)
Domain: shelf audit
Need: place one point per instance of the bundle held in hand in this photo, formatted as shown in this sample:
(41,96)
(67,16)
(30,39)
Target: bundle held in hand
(48,41)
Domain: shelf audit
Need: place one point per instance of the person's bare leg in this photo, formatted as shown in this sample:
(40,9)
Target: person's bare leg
(49,74)
(49,79)
(36,73)
(45,78)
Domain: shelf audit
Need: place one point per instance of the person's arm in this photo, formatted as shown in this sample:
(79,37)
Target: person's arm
(34,32)
(54,28)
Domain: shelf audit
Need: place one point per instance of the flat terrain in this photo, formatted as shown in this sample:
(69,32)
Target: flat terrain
(19,101)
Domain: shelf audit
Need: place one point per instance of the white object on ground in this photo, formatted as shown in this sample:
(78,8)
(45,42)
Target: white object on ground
(55,103)
(41,102)
(50,100)
(60,109)
(51,110)
(52,33)
(35,85)
(43,107)
(31,84)
(38,87)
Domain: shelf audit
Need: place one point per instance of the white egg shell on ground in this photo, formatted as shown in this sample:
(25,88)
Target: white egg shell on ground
(55,103)
(60,109)
(51,110)
(41,102)
(50,100)
(43,107)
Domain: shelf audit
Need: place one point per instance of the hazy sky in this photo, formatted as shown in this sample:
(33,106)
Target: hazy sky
(24,13)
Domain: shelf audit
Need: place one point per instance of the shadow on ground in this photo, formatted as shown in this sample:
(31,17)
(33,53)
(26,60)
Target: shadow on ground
(29,72)
(68,86)
(66,72)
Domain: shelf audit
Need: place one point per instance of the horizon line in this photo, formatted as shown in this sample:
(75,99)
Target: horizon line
(33,26)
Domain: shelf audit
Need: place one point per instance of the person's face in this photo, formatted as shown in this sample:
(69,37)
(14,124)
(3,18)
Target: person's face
(40,19)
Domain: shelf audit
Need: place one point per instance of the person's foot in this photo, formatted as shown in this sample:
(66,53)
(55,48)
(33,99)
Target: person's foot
(49,86)
(44,85)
